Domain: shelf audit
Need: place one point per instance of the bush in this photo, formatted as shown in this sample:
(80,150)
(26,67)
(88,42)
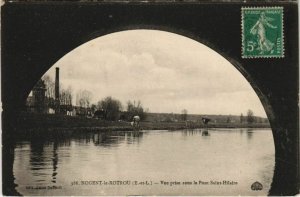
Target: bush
(111,108)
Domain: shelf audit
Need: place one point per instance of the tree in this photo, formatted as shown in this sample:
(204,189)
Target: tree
(260,120)
(65,96)
(184,113)
(50,86)
(228,119)
(93,108)
(241,118)
(111,108)
(250,116)
(135,108)
(83,98)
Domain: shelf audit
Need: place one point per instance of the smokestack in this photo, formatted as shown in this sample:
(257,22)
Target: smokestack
(57,83)
(57,102)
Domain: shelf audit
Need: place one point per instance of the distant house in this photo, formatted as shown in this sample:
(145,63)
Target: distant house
(81,111)
(66,109)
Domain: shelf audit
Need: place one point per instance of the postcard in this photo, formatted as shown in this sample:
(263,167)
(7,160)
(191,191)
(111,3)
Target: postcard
(168,98)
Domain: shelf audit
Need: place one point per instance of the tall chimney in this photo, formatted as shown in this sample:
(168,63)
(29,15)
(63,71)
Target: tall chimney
(57,101)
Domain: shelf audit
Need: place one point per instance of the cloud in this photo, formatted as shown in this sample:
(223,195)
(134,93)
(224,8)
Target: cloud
(167,72)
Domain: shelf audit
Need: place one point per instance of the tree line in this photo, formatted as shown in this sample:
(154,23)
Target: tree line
(112,107)
(109,107)
(250,118)
(65,95)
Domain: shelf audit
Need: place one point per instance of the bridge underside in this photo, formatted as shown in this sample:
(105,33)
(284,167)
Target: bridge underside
(35,36)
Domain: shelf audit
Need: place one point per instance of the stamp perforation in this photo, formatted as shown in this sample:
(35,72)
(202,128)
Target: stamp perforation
(243,32)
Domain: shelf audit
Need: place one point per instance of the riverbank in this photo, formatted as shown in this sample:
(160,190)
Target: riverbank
(52,122)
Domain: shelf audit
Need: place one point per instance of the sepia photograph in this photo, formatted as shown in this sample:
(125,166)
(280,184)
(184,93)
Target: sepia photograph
(132,106)
(145,109)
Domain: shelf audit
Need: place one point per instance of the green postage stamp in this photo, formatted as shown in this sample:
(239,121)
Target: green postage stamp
(262,32)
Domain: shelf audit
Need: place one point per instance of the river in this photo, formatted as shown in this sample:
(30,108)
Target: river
(184,162)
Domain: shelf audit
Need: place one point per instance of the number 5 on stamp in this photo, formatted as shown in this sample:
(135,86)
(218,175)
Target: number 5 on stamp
(262,32)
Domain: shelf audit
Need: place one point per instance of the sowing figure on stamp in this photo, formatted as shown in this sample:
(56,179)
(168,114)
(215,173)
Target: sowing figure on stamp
(259,29)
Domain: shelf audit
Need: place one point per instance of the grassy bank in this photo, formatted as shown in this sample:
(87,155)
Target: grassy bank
(53,122)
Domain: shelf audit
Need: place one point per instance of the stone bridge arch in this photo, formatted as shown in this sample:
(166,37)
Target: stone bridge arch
(32,46)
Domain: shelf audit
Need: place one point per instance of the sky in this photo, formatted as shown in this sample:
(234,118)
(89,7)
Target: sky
(165,71)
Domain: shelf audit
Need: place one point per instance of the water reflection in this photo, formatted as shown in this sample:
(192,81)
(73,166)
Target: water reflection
(194,132)
(191,132)
(36,156)
(151,155)
(134,137)
(205,132)
(249,133)
(44,150)
(41,159)
(55,162)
